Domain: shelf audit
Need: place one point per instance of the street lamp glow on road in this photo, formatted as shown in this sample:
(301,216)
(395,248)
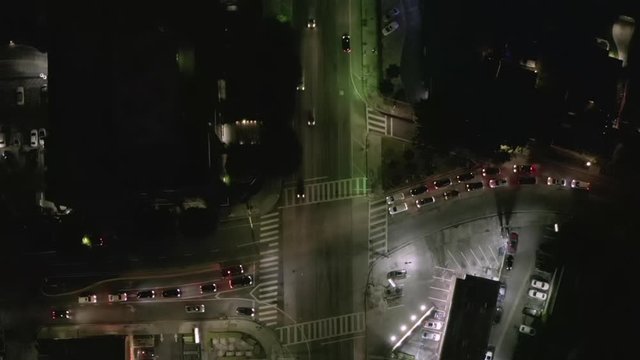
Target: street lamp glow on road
(413,318)
(403,327)
(393,338)
(423,307)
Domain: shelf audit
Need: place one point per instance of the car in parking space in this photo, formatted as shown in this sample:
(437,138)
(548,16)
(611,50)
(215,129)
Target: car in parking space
(346,43)
(579,184)
(232,270)
(397,274)
(194,308)
(398,208)
(508,261)
(240,281)
(390,14)
(494,183)
(540,285)
(441,183)
(311,23)
(490,171)
(172,293)
(527,330)
(20,95)
(42,134)
(555,181)
(33,138)
(488,355)
(434,325)
(300,188)
(537,294)
(474,186)
(418,190)
(512,243)
(117,297)
(438,315)
(431,336)
(424,201)
(60,314)
(87,299)
(502,292)
(447,195)
(391,27)
(526,180)
(465,177)
(497,316)
(146,294)
(3,140)
(531,312)
(523,169)
(248,311)
(395,197)
(208,288)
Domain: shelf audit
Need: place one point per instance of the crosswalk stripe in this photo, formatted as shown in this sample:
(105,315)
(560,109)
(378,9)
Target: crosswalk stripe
(270,282)
(268,288)
(270,258)
(269,227)
(263,265)
(273,244)
(268,251)
(268,276)
(269,233)
(268,295)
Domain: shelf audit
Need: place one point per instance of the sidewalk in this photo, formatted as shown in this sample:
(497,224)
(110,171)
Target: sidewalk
(261,203)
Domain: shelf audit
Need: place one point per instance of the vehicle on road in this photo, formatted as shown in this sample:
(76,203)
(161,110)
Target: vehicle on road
(537,294)
(60,314)
(240,281)
(397,274)
(489,354)
(528,180)
(490,171)
(508,261)
(172,293)
(465,177)
(450,194)
(395,197)
(20,95)
(502,292)
(232,270)
(498,315)
(527,330)
(434,325)
(424,201)
(88,299)
(390,14)
(194,308)
(441,183)
(391,27)
(554,181)
(540,285)
(300,188)
(512,243)
(398,208)
(3,140)
(311,120)
(531,312)
(146,294)
(579,184)
(208,288)
(474,186)
(431,336)
(42,134)
(418,190)
(311,23)
(33,135)
(248,311)
(117,297)
(494,183)
(523,169)
(346,43)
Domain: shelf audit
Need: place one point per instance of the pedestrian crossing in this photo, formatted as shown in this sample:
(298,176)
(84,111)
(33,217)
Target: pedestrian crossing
(321,329)
(377,229)
(269,268)
(377,121)
(326,191)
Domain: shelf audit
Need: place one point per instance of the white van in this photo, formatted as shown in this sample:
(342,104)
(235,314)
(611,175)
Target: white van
(579,184)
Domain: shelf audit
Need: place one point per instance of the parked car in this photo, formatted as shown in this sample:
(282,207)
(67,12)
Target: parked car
(502,292)
(346,43)
(20,95)
(508,261)
(418,190)
(34,138)
(494,183)
(528,180)
(240,281)
(490,171)
(390,14)
(447,195)
(232,270)
(391,27)
(497,316)
(531,312)
(523,169)
(194,308)
(208,288)
(540,285)
(439,314)
(474,186)
(172,293)
(248,311)
(465,177)
(424,201)
(434,325)
(3,140)
(537,294)
(527,330)
(146,294)
(441,183)
(117,297)
(300,188)
(42,134)
(60,314)
(393,198)
(554,181)
(579,184)
(431,336)
(398,208)
(87,299)
(397,274)
(489,354)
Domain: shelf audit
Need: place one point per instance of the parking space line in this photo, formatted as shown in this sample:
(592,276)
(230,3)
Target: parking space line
(465,259)
(484,256)
(454,260)
(494,256)
(445,290)
(273,244)
(436,299)
(474,255)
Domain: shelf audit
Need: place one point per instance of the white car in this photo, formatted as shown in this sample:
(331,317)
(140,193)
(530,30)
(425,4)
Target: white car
(424,201)
(434,325)
(431,336)
(42,134)
(34,138)
(393,26)
(118,297)
(554,181)
(398,208)
(494,183)
(3,141)
(393,198)
(88,299)
(537,294)
(528,330)
(488,355)
(579,184)
(194,308)
(541,285)
(20,95)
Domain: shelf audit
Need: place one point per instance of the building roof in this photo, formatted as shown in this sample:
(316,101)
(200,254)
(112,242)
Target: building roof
(18,60)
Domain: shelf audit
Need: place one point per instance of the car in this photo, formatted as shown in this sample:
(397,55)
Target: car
(391,13)
(88,299)
(531,312)
(502,292)
(554,181)
(528,330)
(512,243)
(208,288)
(311,118)
(418,190)
(447,195)
(194,308)
(397,274)
(439,315)
(540,285)
(431,336)
(579,184)
(527,180)
(34,138)
(300,188)
(346,43)
(537,294)
(20,95)
(434,325)
(232,270)
(311,23)
(60,314)
(474,186)
(488,355)
(172,293)
(523,169)
(424,201)
(494,183)
(465,177)
(117,297)
(391,27)
(3,140)
(497,316)
(42,134)
(490,171)
(248,311)
(398,208)
(509,262)
(145,353)
(146,294)
(16,139)
(395,197)
(240,281)
(441,183)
